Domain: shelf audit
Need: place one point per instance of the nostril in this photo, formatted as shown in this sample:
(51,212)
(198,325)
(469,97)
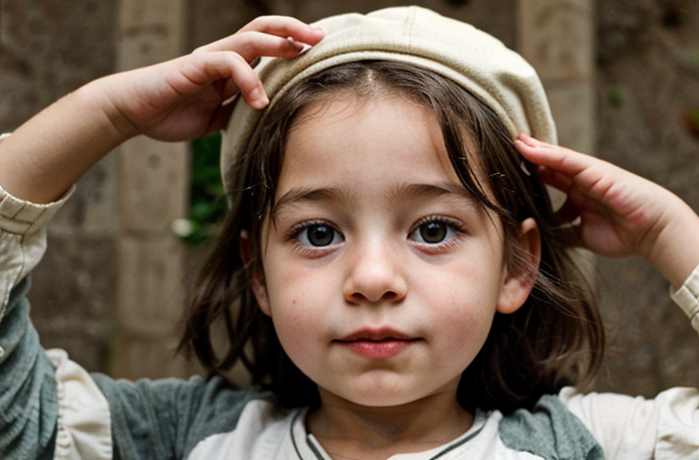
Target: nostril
(388,296)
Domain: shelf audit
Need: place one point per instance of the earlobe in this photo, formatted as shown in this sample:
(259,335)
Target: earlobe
(255,272)
(518,285)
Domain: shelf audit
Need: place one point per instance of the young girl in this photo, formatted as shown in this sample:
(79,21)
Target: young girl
(391,271)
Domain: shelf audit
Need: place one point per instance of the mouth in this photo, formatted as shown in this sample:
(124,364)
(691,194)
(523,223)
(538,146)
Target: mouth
(377,343)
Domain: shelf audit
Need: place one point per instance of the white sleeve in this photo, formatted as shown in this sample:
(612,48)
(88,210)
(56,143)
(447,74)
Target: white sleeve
(663,428)
(629,428)
(84,422)
(687,297)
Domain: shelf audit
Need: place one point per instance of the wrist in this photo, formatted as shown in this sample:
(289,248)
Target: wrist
(114,123)
(675,250)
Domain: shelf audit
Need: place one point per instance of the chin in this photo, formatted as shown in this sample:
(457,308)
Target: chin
(378,395)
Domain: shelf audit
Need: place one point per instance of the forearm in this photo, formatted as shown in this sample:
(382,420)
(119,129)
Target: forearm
(46,155)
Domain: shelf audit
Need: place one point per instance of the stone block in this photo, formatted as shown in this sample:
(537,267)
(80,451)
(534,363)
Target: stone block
(149,31)
(573,108)
(72,298)
(92,210)
(556,37)
(151,291)
(154,185)
(47,49)
(150,298)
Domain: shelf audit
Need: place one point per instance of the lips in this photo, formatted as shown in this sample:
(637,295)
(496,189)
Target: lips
(383,343)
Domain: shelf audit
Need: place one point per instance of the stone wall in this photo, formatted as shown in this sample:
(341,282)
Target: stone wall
(47,49)
(646,74)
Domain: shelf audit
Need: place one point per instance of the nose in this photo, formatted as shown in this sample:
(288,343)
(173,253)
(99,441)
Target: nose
(375,274)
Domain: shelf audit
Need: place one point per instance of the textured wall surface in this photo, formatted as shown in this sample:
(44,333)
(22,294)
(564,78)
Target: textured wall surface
(647,72)
(47,49)
(648,75)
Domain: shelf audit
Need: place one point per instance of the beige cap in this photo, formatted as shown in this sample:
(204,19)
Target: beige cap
(498,76)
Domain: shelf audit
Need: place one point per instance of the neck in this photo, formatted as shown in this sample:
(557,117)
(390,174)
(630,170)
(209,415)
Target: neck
(350,431)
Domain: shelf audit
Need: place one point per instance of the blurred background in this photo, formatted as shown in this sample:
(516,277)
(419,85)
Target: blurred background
(622,76)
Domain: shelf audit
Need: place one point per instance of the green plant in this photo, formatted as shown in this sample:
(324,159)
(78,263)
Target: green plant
(207,196)
(614,98)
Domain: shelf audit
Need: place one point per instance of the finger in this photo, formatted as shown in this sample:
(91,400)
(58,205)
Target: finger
(283,26)
(568,212)
(251,45)
(554,179)
(206,68)
(560,159)
(276,27)
(590,174)
(220,118)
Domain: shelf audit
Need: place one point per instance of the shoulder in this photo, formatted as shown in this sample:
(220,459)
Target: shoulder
(666,426)
(549,430)
(174,415)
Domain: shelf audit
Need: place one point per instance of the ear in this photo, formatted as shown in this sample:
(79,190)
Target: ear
(257,276)
(517,285)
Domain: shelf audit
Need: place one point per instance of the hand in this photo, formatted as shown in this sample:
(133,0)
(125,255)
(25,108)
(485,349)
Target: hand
(184,98)
(177,100)
(620,214)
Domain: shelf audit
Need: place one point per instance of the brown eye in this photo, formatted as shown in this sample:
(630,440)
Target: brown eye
(319,235)
(434,231)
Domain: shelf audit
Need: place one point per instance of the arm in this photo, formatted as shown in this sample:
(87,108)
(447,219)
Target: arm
(621,214)
(173,101)
(44,406)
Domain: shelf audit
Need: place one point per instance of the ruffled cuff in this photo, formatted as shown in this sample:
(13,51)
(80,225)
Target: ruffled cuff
(687,297)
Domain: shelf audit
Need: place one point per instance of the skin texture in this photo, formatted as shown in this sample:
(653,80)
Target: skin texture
(368,180)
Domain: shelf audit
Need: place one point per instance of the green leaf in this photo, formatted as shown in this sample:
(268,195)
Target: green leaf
(614,98)
(207,195)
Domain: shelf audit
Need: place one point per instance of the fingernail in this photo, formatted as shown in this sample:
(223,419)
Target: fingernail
(318,31)
(300,47)
(262,101)
(258,99)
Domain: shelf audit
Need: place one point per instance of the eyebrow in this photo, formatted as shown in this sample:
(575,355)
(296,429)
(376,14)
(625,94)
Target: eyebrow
(432,190)
(306,194)
(399,193)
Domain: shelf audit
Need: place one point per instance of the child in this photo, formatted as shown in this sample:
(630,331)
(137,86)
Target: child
(391,271)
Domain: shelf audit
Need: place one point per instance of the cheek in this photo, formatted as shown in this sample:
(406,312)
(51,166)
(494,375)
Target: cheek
(288,291)
(463,312)
(292,297)
(465,325)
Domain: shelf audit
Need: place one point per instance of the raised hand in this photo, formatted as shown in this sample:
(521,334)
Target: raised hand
(177,100)
(184,98)
(617,213)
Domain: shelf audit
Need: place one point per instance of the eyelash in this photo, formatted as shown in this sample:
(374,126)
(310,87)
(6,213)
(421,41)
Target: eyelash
(455,227)
(295,232)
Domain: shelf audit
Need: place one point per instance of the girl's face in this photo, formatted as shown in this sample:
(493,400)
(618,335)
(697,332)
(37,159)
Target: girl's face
(381,274)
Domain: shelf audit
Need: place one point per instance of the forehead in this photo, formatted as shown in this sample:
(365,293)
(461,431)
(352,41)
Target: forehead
(362,141)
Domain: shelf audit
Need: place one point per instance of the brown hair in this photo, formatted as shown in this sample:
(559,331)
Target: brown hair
(555,339)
